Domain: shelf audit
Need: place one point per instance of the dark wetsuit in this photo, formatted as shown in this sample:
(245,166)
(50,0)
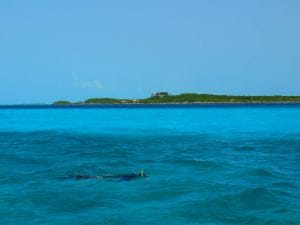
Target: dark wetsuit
(78,177)
(124,177)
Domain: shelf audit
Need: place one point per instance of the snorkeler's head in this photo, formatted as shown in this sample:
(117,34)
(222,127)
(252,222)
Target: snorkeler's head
(78,177)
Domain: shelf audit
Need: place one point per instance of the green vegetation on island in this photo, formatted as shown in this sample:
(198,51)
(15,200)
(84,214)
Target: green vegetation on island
(165,97)
(61,103)
(102,101)
(206,98)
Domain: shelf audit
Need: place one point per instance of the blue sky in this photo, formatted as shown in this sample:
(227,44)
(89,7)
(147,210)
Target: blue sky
(75,50)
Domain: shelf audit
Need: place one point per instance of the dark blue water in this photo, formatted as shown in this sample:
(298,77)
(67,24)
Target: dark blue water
(205,164)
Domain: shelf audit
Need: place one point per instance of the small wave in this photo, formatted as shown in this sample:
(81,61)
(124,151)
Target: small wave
(262,172)
(236,208)
(285,185)
(244,148)
(9,157)
(118,163)
(204,164)
(258,198)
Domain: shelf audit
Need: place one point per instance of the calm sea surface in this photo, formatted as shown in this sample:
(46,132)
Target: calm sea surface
(211,164)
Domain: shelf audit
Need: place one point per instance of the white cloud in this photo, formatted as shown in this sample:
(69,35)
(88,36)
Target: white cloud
(93,84)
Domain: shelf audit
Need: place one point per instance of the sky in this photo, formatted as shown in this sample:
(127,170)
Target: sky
(70,49)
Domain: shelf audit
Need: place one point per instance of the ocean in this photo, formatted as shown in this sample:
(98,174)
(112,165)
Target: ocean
(206,164)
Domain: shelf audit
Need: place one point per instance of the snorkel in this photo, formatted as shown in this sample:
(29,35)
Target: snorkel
(142,173)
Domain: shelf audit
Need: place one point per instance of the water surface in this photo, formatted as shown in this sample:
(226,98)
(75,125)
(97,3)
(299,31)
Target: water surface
(209,164)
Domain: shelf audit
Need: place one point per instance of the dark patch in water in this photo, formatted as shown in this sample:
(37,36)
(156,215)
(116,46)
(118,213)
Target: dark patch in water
(262,173)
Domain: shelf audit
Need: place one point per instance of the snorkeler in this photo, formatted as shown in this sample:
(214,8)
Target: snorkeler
(124,177)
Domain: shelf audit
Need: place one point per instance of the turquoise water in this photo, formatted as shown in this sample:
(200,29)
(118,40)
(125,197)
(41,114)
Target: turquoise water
(205,165)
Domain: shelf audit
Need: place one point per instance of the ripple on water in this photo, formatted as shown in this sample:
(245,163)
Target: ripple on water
(198,163)
(233,208)
(263,172)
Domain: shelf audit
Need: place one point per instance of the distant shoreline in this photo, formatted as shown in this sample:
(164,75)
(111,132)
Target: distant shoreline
(164,98)
(189,98)
(181,103)
(85,105)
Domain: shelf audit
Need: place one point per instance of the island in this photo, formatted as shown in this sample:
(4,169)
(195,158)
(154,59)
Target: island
(185,98)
